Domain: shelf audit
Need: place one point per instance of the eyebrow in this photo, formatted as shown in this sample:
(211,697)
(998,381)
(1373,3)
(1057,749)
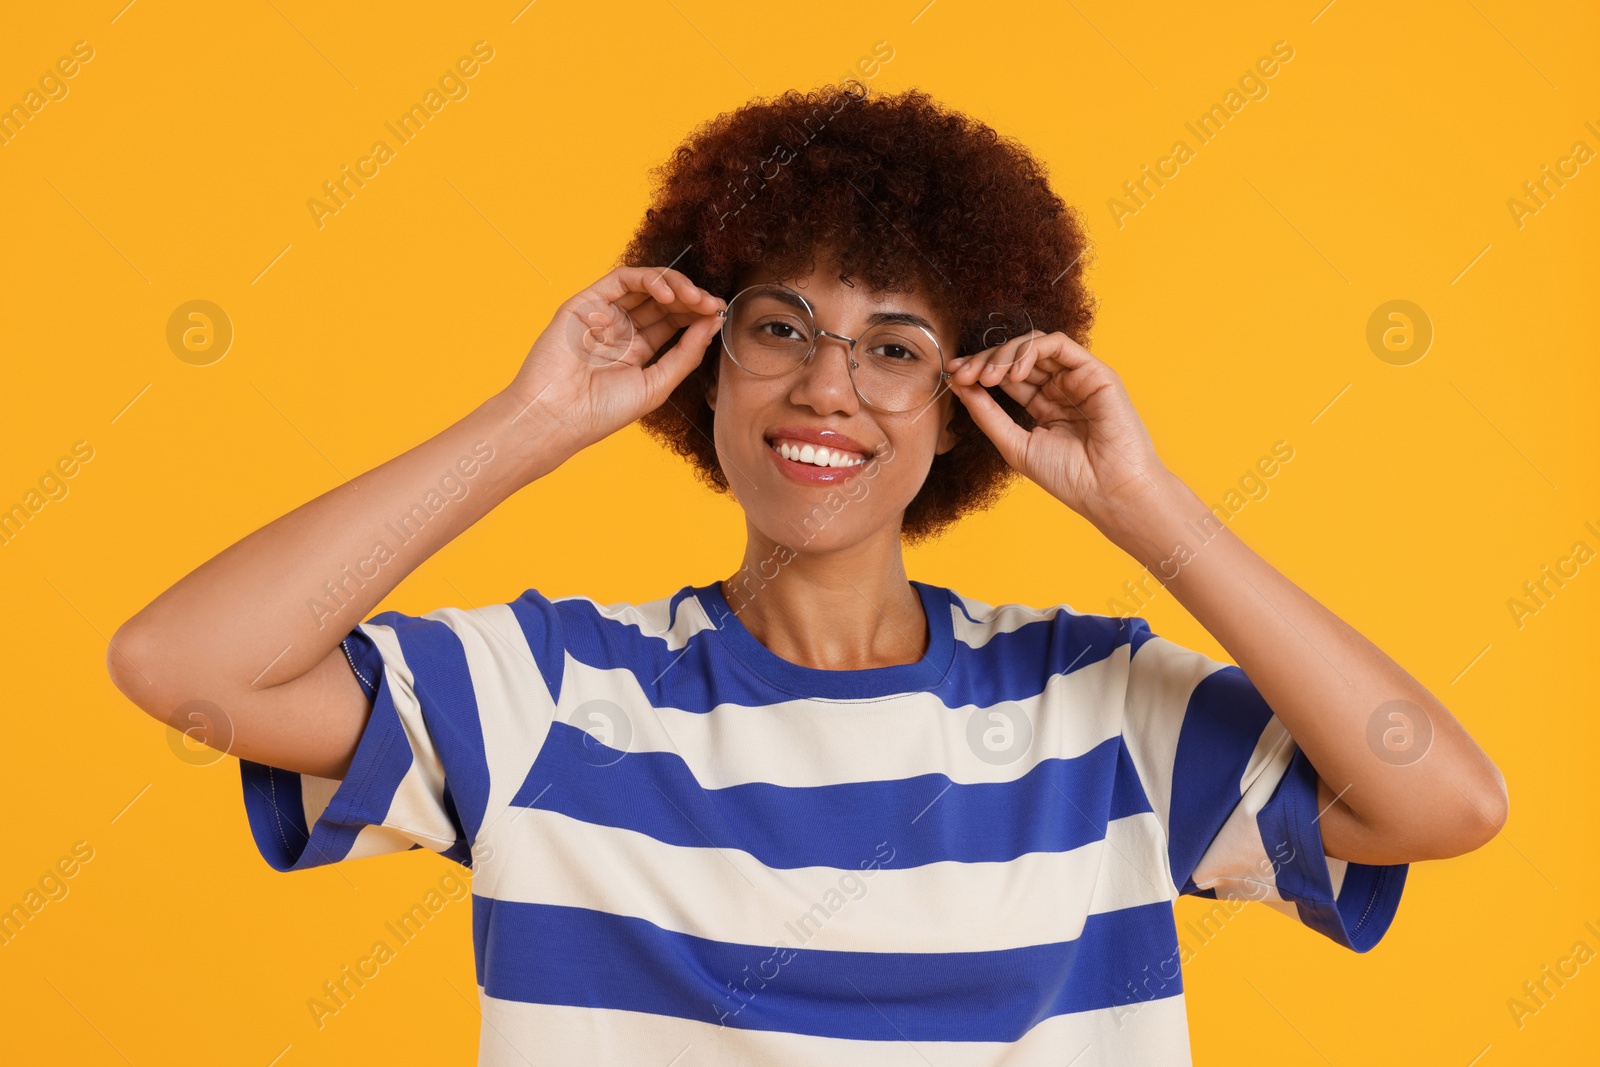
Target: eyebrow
(877,318)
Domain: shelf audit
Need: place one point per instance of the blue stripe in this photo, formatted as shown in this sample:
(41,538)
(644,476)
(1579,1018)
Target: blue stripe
(1016,665)
(592,959)
(542,627)
(1222,724)
(705,673)
(1059,804)
(1369,897)
(461,851)
(924,674)
(443,687)
(273,800)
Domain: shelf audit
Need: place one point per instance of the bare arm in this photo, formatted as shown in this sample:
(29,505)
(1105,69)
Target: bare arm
(1327,683)
(256,630)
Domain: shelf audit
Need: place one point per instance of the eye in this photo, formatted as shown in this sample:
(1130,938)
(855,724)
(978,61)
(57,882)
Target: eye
(898,352)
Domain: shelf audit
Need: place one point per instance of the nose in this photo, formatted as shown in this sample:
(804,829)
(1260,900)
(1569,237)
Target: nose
(824,383)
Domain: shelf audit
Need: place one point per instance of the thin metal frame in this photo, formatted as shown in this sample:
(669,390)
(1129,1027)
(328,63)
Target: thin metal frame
(817,331)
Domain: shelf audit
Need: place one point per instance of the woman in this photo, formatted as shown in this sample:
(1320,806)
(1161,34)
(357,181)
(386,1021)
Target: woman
(816,811)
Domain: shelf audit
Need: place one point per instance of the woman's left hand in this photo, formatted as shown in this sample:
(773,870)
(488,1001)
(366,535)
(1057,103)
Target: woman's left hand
(1088,447)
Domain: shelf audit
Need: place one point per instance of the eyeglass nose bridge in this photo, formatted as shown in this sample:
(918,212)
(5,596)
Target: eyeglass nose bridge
(850,355)
(850,343)
(722,313)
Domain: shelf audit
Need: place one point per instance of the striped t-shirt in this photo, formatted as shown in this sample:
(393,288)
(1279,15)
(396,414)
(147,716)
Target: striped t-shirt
(686,849)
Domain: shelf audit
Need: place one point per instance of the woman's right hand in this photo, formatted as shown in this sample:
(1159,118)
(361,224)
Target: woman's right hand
(587,369)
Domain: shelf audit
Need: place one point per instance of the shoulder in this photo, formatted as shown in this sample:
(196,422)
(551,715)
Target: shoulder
(979,622)
(581,619)
(1038,641)
(493,643)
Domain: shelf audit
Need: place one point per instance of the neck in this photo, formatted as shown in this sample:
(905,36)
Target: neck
(843,609)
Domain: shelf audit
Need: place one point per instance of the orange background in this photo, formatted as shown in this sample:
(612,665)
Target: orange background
(1235,304)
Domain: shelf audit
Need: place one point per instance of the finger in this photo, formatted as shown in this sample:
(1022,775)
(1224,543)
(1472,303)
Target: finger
(1008,437)
(996,367)
(1025,363)
(630,301)
(664,375)
(1005,357)
(647,280)
(691,295)
(1070,353)
(1032,399)
(1054,355)
(653,314)
(1009,351)
(1023,392)
(1065,401)
(657,283)
(970,367)
(660,332)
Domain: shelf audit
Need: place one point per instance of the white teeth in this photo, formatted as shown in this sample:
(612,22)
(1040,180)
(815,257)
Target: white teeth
(816,455)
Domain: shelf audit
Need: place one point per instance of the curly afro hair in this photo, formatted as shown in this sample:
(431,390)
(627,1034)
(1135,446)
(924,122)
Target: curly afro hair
(907,196)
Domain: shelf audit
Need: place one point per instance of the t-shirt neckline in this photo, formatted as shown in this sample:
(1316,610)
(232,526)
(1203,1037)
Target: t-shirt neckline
(801,680)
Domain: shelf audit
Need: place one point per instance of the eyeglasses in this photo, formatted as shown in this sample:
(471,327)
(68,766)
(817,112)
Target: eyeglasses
(769,330)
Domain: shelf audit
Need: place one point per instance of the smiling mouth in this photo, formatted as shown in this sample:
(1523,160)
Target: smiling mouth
(815,455)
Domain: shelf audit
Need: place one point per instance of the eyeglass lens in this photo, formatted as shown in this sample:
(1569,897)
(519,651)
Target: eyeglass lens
(769,331)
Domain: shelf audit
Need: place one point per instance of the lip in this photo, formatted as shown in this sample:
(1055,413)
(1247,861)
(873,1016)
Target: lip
(829,438)
(810,472)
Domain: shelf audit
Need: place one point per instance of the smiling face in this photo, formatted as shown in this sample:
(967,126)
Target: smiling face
(876,461)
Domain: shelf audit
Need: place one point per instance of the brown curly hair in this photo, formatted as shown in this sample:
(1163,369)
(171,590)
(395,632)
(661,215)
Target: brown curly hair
(906,195)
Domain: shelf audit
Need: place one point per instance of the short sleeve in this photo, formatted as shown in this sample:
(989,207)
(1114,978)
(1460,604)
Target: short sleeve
(1238,797)
(460,700)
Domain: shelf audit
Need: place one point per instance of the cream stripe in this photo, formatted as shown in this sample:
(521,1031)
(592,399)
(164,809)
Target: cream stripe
(417,812)
(1160,680)
(993,621)
(651,618)
(728,895)
(811,743)
(517,1034)
(1238,863)
(514,703)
